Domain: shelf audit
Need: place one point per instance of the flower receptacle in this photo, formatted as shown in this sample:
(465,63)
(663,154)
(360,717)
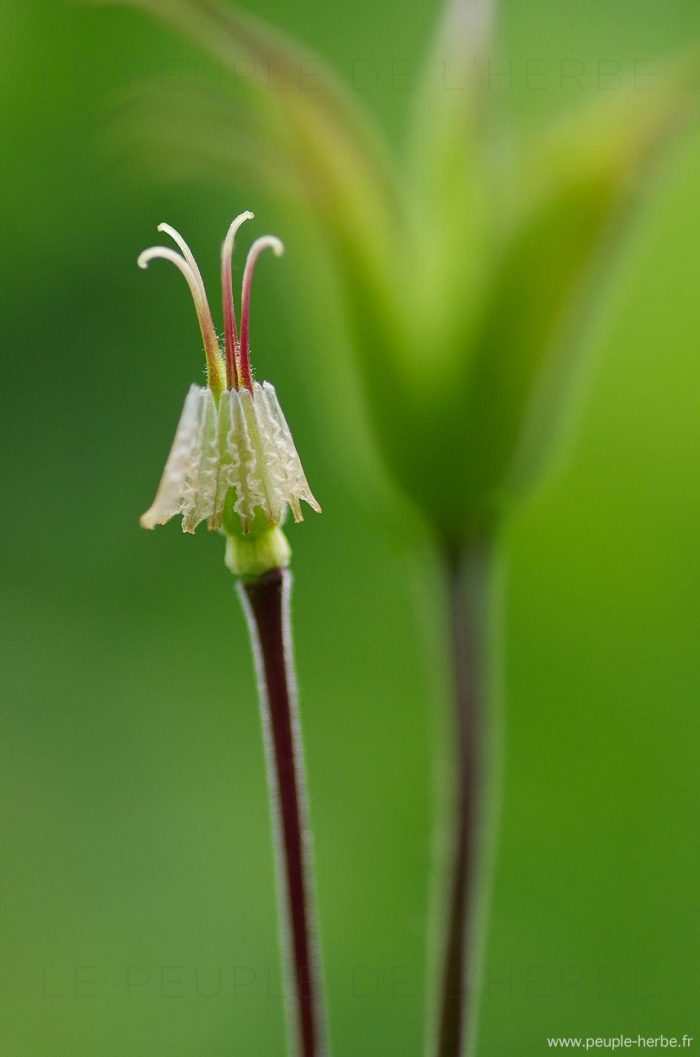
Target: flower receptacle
(253,555)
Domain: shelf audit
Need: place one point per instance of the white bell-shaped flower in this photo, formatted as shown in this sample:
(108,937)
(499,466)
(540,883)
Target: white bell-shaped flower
(233,452)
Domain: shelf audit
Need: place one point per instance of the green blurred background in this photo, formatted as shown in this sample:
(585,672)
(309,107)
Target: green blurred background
(138,907)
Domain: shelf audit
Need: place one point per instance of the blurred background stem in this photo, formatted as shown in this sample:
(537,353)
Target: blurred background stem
(266,601)
(468,596)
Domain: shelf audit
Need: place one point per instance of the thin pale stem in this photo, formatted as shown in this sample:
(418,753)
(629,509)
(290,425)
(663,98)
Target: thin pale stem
(267,242)
(230,330)
(266,601)
(188,268)
(468,605)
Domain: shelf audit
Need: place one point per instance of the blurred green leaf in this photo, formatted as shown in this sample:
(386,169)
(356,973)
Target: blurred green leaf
(578,189)
(479,426)
(340,159)
(197,135)
(450,171)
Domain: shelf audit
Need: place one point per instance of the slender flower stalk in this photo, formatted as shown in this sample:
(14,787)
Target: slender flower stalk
(468,590)
(266,602)
(233,464)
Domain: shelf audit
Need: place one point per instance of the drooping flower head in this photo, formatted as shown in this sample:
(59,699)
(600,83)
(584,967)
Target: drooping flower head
(233,461)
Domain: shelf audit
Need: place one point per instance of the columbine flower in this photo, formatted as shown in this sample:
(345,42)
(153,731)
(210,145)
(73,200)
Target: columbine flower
(233,453)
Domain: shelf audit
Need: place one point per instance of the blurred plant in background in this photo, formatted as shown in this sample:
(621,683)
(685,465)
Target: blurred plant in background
(469,267)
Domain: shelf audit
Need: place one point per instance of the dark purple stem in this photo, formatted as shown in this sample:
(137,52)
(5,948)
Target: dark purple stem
(467,596)
(266,601)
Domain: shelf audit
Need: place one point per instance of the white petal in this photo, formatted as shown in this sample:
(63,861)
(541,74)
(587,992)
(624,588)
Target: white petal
(199,488)
(295,486)
(188,483)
